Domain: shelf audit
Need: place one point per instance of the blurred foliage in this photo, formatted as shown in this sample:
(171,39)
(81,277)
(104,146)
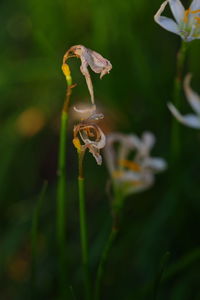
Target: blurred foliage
(34,36)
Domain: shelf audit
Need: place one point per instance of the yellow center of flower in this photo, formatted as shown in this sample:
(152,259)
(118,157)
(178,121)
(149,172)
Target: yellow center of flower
(117,174)
(186,15)
(197,20)
(188,12)
(131,165)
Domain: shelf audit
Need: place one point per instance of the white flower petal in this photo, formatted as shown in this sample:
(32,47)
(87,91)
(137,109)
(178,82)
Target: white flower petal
(177,9)
(193,98)
(90,110)
(130,176)
(165,22)
(155,164)
(148,140)
(188,120)
(135,187)
(195,5)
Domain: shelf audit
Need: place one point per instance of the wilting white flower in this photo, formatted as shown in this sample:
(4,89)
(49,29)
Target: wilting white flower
(91,58)
(132,173)
(88,135)
(191,120)
(187,22)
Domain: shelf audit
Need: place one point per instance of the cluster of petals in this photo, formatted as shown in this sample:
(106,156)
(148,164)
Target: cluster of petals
(132,173)
(88,135)
(186,23)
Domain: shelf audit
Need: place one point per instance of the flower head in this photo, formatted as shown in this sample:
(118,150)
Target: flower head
(190,120)
(88,135)
(91,58)
(187,22)
(136,173)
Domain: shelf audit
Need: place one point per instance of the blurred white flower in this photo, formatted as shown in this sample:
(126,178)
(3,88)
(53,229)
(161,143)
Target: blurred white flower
(190,120)
(88,135)
(187,22)
(91,58)
(132,173)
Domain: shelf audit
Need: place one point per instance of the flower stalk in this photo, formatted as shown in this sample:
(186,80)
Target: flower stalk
(83,225)
(116,211)
(175,132)
(61,186)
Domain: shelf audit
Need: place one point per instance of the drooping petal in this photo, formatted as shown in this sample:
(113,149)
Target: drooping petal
(96,153)
(195,5)
(98,63)
(193,98)
(177,9)
(189,120)
(165,22)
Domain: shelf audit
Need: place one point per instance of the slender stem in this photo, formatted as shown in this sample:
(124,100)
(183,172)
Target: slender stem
(175,133)
(117,210)
(34,235)
(83,227)
(103,260)
(61,188)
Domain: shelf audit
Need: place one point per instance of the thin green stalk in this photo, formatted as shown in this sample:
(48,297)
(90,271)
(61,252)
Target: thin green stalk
(83,227)
(34,235)
(103,260)
(175,131)
(61,186)
(117,210)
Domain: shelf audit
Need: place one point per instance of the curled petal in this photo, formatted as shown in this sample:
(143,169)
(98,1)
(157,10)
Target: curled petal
(193,98)
(165,22)
(99,143)
(96,154)
(189,120)
(177,9)
(88,110)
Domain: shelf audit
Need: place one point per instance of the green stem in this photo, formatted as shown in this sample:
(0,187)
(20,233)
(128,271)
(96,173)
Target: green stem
(103,260)
(83,227)
(175,133)
(34,235)
(117,210)
(61,194)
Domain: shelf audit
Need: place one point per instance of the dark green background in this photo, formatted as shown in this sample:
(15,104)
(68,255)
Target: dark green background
(34,36)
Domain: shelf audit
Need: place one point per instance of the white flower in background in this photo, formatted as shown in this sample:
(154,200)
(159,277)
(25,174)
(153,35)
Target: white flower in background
(187,22)
(88,135)
(190,120)
(132,173)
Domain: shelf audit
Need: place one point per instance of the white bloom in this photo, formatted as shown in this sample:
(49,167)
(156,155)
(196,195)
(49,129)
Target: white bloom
(187,22)
(132,173)
(190,120)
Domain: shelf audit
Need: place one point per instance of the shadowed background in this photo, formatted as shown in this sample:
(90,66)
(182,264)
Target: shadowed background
(34,37)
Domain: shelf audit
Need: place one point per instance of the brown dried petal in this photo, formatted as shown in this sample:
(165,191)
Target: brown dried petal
(91,58)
